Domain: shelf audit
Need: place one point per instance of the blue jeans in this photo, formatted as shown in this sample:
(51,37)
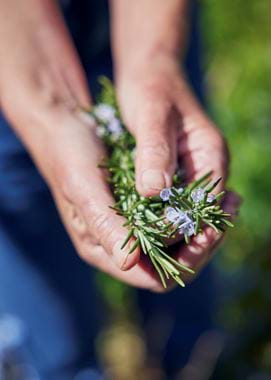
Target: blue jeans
(46,285)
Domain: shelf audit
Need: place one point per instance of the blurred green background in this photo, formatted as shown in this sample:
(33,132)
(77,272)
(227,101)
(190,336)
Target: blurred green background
(237,39)
(237,65)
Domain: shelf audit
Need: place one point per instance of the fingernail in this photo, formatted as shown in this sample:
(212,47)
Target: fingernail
(124,258)
(120,256)
(153,179)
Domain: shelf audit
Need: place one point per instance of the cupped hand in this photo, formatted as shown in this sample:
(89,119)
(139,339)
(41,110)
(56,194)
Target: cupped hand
(170,126)
(67,152)
(40,94)
(40,91)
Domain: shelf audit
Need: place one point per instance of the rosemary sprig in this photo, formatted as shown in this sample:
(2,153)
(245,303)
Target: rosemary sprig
(153,221)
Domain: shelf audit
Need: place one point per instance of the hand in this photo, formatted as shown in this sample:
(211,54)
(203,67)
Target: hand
(40,91)
(161,111)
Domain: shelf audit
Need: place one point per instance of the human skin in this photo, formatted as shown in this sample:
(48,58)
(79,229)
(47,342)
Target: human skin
(42,87)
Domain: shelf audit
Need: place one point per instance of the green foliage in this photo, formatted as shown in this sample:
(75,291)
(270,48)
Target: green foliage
(152,222)
(238,66)
(107,93)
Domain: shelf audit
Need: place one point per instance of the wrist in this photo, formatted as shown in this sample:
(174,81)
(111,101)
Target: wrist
(147,31)
(138,67)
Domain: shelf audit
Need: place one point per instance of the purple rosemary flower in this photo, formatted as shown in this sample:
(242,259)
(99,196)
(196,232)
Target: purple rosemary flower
(187,228)
(114,127)
(175,215)
(180,190)
(210,198)
(198,195)
(104,112)
(165,194)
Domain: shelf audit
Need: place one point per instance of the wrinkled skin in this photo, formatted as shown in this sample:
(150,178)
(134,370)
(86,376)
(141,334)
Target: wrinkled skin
(40,98)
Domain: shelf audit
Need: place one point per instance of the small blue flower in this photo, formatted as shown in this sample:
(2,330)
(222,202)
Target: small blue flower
(114,127)
(180,190)
(165,194)
(187,228)
(198,195)
(175,215)
(210,198)
(104,112)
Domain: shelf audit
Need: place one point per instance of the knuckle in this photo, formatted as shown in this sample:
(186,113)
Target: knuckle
(68,181)
(155,94)
(104,231)
(50,97)
(157,110)
(155,85)
(158,149)
(101,222)
(76,221)
(40,89)
(151,88)
(73,185)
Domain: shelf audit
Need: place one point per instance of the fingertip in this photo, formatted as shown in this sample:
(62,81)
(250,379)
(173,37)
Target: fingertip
(147,192)
(131,259)
(151,181)
(122,257)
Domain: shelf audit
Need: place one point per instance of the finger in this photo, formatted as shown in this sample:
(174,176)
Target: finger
(201,149)
(141,275)
(98,225)
(83,186)
(156,136)
(109,230)
(201,146)
(153,120)
(89,249)
(198,252)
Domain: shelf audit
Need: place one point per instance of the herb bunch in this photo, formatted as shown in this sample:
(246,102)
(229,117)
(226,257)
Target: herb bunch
(179,210)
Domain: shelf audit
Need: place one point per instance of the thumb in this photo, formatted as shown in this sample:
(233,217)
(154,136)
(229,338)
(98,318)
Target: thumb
(154,121)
